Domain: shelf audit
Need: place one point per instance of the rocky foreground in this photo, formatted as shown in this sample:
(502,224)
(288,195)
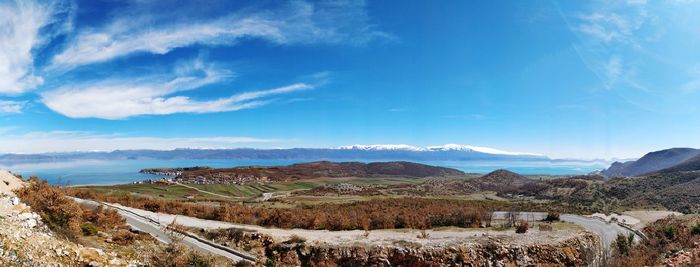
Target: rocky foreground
(26,241)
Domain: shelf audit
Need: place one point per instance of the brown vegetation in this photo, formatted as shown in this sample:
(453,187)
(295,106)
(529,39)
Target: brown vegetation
(372,214)
(62,214)
(522,227)
(176,255)
(665,237)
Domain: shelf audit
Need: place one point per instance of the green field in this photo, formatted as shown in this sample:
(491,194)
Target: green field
(241,192)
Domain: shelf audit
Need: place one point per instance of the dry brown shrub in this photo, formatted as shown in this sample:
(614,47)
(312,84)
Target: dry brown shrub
(124,237)
(522,227)
(62,214)
(177,255)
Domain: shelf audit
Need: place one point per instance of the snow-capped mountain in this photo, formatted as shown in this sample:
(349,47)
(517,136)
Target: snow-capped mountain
(442,148)
(487,150)
(382,147)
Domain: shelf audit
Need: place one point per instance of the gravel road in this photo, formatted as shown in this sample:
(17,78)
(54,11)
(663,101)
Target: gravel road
(607,231)
(157,230)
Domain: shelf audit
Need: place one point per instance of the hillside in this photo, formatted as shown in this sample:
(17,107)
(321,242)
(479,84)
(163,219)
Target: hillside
(500,181)
(692,164)
(313,170)
(651,162)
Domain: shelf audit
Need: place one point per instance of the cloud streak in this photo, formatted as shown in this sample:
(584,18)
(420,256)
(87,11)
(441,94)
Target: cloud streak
(11,107)
(68,141)
(123,98)
(20,25)
(296,23)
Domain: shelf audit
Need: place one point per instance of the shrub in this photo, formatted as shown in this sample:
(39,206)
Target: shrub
(88,229)
(696,229)
(124,237)
(60,213)
(552,216)
(423,234)
(623,244)
(670,232)
(522,227)
(176,255)
(296,239)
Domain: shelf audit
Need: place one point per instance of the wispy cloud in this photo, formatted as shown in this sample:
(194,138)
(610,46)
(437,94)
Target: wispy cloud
(67,141)
(120,98)
(298,22)
(20,25)
(11,107)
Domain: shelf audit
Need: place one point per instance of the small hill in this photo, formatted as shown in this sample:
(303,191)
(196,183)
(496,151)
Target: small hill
(313,170)
(651,162)
(501,181)
(403,168)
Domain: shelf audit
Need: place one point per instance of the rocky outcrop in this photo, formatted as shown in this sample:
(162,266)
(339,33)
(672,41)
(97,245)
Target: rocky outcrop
(26,241)
(582,250)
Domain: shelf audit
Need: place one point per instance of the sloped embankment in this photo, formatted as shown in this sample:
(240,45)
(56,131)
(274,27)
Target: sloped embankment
(581,249)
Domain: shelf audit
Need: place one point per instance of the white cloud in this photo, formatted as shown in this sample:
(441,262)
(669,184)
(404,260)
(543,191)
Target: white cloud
(67,141)
(20,22)
(123,98)
(608,27)
(11,106)
(299,22)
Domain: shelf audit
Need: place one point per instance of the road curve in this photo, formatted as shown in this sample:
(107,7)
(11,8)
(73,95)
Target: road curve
(607,231)
(158,231)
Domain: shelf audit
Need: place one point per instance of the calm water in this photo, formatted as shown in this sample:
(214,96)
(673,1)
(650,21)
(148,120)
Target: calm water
(126,171)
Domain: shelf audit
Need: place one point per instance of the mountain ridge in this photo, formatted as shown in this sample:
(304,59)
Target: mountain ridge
(651,162)
(315,154)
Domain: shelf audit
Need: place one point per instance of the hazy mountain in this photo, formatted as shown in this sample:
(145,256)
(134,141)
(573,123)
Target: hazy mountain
(379,152)
(651,162)
(692,164)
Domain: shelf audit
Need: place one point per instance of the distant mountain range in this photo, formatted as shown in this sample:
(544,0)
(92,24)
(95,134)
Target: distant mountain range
(668,160)
(368,152)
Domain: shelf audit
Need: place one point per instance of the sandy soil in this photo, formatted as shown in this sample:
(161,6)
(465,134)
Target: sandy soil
(646,217)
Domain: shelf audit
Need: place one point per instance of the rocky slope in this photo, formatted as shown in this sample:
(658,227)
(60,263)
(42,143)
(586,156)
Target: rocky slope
(26,241)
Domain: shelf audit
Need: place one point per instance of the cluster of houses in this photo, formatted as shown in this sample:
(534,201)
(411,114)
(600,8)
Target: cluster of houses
(163,181)
(345,187)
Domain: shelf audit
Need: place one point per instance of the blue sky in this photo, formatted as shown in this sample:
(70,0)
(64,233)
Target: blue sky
(567,79)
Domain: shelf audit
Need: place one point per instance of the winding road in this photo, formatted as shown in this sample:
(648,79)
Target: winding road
(162,234)
(607,231)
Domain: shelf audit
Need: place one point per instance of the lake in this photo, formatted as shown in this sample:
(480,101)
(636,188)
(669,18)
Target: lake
(104,172)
